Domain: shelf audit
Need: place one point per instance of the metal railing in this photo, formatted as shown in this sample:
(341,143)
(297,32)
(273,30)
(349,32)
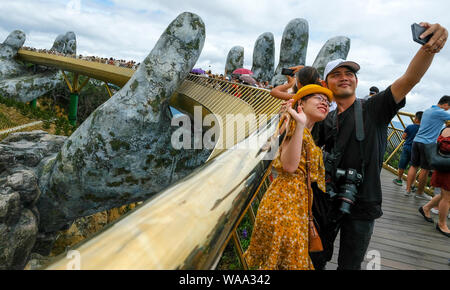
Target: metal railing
(232,104)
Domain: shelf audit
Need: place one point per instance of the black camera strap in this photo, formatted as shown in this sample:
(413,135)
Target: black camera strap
(341,143)
(359,126)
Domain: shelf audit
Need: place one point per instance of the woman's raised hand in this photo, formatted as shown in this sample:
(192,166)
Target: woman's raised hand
(299,116)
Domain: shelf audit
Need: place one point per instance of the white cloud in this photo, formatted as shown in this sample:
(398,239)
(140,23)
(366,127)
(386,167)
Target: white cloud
(379,31)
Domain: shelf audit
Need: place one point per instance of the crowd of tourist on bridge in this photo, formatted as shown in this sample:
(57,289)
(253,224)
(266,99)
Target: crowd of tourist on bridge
(112,61)
(235,78)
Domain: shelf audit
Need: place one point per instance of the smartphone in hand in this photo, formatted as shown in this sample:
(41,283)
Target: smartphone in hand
(417,30)
(287,72)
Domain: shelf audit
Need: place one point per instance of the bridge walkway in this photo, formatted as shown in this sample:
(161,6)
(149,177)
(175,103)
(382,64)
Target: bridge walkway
(403,238)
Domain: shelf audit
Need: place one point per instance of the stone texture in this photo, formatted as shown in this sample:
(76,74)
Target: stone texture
(115,155)
(293,48)
(264,57)
(17,240)
(235,60)
(21,155)
(65,43)
(26,84)
(14,41)
(121,154)
(8,49)
(334,48)
(28,87)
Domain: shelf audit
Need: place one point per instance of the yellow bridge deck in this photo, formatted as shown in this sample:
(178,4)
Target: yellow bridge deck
(100,71)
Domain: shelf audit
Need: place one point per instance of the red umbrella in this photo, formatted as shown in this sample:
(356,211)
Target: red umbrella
(243,71)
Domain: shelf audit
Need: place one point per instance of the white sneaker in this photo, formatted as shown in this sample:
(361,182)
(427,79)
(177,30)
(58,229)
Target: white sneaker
(407,193)
(423,196)
(435,211)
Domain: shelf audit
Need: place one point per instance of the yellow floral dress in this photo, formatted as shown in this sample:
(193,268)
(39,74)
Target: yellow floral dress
(280,235)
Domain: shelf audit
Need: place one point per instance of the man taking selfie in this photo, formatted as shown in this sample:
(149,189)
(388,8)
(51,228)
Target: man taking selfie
(354,139)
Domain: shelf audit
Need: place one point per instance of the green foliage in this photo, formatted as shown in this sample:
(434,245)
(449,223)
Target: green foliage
(230,258)
(5,122)
(47,116)
(92,95)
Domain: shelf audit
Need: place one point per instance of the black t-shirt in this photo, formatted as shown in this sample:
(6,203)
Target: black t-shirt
(378,111)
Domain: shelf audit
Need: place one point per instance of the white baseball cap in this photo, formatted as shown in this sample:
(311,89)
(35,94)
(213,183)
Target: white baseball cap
(334,64)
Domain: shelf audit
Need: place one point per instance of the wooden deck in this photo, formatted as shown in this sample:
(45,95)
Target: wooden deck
(403,238)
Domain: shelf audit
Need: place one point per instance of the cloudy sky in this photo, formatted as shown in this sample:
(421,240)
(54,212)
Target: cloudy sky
(379,30)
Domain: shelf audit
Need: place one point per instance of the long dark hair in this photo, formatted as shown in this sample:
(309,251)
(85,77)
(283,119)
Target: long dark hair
(308,76)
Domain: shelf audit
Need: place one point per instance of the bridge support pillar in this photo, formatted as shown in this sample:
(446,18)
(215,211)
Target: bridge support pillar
(73,108)
(75,89)
(33,104)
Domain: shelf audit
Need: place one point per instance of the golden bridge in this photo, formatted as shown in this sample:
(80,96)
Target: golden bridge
(188,225)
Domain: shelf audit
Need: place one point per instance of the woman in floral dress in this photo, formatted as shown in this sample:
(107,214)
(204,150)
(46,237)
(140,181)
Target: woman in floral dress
(280,235)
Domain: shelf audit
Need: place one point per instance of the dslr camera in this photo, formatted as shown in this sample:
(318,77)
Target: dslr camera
(342,184)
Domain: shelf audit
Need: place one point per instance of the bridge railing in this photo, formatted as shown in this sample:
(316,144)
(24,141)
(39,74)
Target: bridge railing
(239,110)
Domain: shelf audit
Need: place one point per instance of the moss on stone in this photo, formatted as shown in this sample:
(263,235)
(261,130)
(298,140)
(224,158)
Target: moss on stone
(196,24)
(114,184)
(59,157)
(145,180)
(134,85)
(155,103)
(150,158)
(94,198)
(121,171)
(93,174)
(131,180)
(78,159)
(117,144)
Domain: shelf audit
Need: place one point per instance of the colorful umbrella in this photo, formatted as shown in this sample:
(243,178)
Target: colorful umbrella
(197,71)
(243,71)
(248,79)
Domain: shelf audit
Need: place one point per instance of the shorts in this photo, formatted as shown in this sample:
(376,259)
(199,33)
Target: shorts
(405,158)
(418,157)
(441,180)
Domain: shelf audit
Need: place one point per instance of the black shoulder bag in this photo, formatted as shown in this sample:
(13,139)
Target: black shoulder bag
(437,159)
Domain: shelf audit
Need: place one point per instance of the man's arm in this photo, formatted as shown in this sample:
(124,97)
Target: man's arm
(421,61)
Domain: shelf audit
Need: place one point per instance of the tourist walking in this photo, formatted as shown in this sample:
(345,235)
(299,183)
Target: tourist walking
(442,180)
(408,135)
(432,122)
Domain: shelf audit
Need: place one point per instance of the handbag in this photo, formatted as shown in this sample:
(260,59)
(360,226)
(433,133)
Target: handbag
(315,243)
(437,160)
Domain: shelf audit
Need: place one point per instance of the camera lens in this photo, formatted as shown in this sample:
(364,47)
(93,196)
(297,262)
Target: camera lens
(345,206)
